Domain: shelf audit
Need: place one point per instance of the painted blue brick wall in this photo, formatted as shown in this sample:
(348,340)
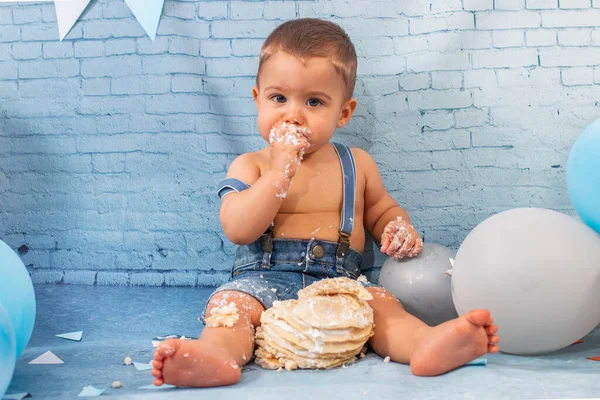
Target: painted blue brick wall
(111,145)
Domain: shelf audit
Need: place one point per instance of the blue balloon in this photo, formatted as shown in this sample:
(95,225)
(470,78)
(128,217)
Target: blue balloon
(8,351)
(16,295)
(583,175)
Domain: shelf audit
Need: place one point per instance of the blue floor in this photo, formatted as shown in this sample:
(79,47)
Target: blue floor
(121,321)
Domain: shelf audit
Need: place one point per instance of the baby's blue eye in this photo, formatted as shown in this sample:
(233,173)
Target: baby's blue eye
(313,102)
(278,98)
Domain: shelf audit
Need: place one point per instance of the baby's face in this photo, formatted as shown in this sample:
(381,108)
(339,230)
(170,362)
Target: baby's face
(310,95)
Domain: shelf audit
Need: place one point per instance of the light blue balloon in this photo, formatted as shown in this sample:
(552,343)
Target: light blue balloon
(583,175)
(16,295)
(8,353)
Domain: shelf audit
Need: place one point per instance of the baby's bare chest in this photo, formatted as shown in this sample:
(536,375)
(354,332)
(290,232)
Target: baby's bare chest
(314,191)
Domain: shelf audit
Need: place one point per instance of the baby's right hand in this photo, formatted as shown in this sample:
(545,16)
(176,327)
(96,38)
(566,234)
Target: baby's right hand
(288,144)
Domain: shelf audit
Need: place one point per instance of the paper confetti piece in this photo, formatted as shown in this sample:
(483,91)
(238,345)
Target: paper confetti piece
(76,336)
(594,358)
(141,366)
(578,342)
(16,396)
(47,358)
(153,387)
(159,339)
(478,361)
(90,391)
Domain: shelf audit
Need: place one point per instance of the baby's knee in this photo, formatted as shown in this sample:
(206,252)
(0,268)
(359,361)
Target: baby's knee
(247,305)
(380,294)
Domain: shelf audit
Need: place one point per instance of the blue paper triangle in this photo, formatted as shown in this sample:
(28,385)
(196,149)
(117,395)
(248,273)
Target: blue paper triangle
(478,361)
(142,366)
(90,391)
(16,396)
(76,336)
(153,387)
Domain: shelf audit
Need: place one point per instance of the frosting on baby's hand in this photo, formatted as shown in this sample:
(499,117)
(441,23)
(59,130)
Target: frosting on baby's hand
(295,140)
(400,239)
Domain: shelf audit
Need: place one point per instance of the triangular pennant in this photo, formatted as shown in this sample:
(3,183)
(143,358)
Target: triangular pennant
(141,366)
(71,336)
(147,12)
(47,358)
(67,14)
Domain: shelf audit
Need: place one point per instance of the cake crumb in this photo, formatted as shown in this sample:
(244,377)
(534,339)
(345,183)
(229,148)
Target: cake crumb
(387,359)
(116,384)
(127,361)
(291,365)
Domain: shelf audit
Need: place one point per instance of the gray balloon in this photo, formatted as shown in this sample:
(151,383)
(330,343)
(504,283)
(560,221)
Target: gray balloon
(538,272)
(422,283)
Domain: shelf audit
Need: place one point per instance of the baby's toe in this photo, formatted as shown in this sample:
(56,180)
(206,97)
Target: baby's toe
(491,330)
(492,348)
(158,382)
(166,349)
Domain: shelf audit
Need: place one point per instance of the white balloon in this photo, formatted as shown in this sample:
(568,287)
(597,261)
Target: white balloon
(538,272)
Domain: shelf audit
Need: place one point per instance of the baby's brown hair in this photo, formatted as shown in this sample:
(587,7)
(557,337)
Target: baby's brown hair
(311,37)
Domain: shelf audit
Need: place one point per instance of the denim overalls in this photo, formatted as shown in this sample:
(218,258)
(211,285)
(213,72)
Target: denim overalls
(276,269)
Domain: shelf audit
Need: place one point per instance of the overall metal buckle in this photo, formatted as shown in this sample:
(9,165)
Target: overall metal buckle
(267,239)
(344,244)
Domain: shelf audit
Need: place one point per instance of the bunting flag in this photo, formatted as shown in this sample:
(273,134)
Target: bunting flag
(147,12)
(67,14)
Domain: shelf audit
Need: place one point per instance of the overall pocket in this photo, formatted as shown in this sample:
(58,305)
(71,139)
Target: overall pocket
(240,269)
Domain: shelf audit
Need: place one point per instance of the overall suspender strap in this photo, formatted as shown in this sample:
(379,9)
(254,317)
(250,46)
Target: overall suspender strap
(349,196)
(229,185)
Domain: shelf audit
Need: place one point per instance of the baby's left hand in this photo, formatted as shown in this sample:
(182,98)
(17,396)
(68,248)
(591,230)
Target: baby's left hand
(400,239)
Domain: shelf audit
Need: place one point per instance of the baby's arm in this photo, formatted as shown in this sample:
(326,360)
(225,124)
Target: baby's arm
(384,218)
(247,215)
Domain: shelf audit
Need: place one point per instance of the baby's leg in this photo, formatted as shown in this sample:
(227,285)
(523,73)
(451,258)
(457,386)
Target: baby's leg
(429,350)
(216,357)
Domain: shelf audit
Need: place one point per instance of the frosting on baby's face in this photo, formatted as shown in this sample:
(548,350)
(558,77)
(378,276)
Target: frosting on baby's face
(290,133)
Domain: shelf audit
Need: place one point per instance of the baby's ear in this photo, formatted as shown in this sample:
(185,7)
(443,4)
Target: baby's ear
(255,94)
(347,111)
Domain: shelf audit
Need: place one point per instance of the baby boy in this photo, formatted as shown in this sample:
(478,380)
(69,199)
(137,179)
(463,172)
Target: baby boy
(298,210)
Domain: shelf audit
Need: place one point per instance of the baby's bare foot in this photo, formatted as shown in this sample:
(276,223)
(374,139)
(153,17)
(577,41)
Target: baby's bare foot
(454,343)
(194,363)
